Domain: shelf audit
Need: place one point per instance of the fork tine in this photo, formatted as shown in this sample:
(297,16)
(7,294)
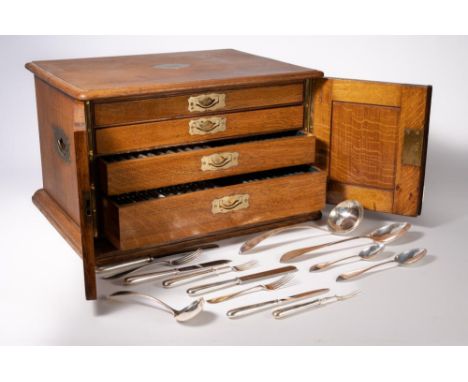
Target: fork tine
(187,258)
(248,265)
(280,282)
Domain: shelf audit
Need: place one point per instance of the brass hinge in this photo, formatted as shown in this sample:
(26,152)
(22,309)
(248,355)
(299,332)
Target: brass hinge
(412,147)
(308,107)
(91,149)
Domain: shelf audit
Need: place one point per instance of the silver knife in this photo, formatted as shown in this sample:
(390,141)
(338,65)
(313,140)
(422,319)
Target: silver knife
(138,279)
(236,312)
(242,279)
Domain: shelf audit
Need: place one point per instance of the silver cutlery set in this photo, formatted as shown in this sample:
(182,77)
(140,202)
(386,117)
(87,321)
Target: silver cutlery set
(344,218)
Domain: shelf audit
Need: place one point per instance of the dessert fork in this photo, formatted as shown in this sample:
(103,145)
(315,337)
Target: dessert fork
(126,268)
(266,287)
(213,271)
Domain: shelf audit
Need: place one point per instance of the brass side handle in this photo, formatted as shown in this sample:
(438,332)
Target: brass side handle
(203,126)
(204,102)
(62,144)
(230,203)
(219,161)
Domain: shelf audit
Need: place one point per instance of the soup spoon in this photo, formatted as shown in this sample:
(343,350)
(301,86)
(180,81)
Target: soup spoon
(366,254)
(404,258)
(384,234)
(184,314)
(343,218)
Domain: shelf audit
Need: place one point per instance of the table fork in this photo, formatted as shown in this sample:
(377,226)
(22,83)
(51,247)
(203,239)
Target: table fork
(266,287)
(213,271)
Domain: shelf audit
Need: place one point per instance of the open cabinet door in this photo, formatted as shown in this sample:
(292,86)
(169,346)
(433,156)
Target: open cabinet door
(86,212)
(372,140)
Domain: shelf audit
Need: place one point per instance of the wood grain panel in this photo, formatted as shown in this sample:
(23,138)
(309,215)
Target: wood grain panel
(108,77)
(363,144)
(377,93)
(178,168)
(165,220)
(151,109)
(176,132)
(56,112)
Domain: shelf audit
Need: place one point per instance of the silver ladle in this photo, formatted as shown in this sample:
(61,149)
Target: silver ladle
(184,314)
(343,218)
(404,258)
(366,254)
(384,234)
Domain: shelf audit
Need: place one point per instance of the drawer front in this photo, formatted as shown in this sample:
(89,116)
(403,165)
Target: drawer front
(197,129)
(191,166)
(152,109)
(209,211)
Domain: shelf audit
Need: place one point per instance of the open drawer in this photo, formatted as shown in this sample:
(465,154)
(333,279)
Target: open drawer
(160,168)
(160,216)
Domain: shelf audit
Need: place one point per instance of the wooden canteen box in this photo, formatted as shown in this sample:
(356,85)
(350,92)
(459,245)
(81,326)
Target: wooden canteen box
(158,153)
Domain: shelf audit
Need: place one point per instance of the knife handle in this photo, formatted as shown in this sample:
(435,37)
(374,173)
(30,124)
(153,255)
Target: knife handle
(184,277)
(125,265)
(217,285)
(138,279)
(236,312)
(282,312)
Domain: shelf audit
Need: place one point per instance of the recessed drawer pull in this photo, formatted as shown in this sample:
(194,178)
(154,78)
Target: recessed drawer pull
(203,102)
(219,161)
(230,203)
(204,126)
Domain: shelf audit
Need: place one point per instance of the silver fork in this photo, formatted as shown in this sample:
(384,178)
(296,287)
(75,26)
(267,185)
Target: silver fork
(214,271)
(266,287)
(124,269)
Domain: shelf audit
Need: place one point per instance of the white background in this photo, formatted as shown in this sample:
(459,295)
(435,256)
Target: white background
(41,286)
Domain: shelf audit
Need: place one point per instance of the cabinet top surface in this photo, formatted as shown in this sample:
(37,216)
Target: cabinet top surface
(108,77)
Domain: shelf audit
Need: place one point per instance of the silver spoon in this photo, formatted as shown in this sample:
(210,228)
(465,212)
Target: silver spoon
(343,218)
(366,254)
(404,258)
(384,234)
(184,314)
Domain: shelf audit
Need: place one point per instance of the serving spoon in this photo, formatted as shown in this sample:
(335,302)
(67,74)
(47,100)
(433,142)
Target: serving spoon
(366,254)
(184,314)
(343,218)
(384,234)
(404,258)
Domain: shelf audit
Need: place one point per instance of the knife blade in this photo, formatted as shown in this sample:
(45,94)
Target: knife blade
(243,279)
(236,312)
(138,279)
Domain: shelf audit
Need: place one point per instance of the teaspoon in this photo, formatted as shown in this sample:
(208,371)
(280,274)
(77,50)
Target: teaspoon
(404,258)
(343,218)
(184,314)
(384,234)
(366,254)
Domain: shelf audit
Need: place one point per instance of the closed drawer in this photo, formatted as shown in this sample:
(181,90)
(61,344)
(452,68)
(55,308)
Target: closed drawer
(191,211)
(142,136)
(167,167)
(152,109)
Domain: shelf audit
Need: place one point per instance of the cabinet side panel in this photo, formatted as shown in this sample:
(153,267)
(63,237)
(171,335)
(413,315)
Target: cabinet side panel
(56,125)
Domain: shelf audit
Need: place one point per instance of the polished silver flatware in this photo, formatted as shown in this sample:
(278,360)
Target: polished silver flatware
(283,312)
(343,218)
(404,258)
(274,285)
(241,280)
(243,310)
(181,315)
(383,234)
(121,269)
(209,271)
(145,277)
(367,253)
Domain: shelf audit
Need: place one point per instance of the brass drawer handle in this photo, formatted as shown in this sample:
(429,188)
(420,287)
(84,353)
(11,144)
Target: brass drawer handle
(204,126)
(203,102)
(230,203)
(219,161)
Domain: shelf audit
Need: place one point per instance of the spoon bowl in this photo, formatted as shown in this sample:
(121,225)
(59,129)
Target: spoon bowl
(345,216)
(410,256)
(389,232)
(184,314)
